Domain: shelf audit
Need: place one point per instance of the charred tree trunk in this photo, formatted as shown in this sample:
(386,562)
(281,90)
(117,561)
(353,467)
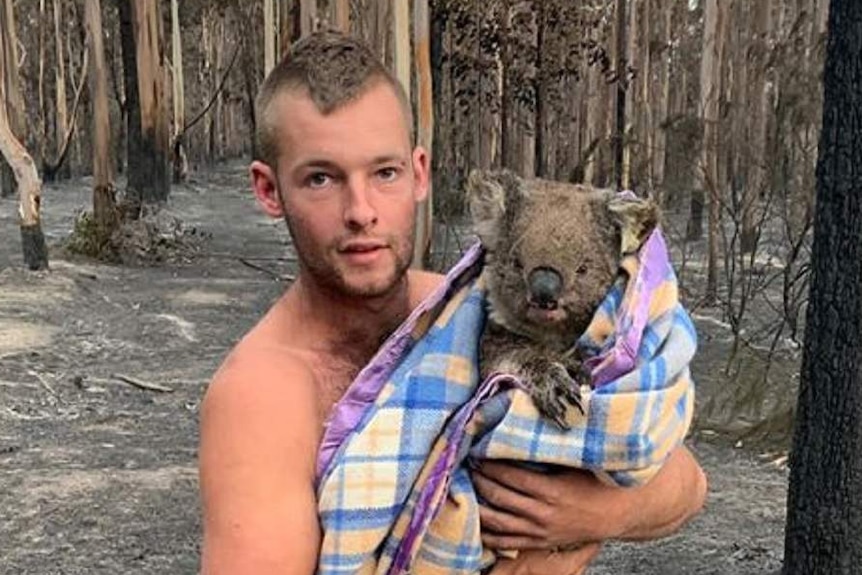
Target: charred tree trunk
(104,203)
(148,138)
(506,87)
(424,124)
(179,159)
(710,95)
(620,115)
(666,7)
(540,158)
(24,170)
(136,173)
(824,502)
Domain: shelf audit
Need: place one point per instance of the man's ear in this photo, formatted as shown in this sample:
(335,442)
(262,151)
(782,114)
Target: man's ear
(636,218)
(491,195)
(264,182)
(421,173)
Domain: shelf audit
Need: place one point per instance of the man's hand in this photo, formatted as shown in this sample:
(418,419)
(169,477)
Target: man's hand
(531,510)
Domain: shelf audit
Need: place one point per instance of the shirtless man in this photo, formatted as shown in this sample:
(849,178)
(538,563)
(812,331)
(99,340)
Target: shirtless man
(338,165)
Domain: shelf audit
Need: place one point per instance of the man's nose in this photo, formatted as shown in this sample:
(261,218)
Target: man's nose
(359,211)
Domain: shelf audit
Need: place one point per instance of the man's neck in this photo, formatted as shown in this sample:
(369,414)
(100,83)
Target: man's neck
(350,327)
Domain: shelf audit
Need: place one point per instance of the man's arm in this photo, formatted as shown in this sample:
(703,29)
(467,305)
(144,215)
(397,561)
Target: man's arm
(530,510)
(257,470)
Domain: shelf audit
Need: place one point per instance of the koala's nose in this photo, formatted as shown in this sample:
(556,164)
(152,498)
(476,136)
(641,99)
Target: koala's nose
(546,285)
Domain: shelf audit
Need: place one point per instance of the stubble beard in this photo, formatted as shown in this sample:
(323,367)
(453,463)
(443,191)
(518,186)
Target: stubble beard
(320,267)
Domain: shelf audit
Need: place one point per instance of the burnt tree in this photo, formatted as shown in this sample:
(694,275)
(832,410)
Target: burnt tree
(148,139)
(825,496)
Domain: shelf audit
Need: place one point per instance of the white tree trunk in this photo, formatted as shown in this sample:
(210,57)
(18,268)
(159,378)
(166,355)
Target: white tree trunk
(24,169)
(268,36)
(61,122)
(342,15)
(308,16)
(425,123)
(104,206)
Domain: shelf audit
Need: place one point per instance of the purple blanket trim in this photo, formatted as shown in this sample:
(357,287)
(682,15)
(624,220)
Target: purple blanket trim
(348,412)
(441,473)
(620,359)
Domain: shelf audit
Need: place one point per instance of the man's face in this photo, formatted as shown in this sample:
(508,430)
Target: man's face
(349,182)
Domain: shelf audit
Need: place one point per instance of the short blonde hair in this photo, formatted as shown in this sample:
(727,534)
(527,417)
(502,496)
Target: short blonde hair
(333,69)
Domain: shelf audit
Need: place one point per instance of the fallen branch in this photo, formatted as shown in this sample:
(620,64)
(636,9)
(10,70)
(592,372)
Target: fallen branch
(142,384)
(43,381)
(49,170)
(269,272)
(179,137)
(217,255)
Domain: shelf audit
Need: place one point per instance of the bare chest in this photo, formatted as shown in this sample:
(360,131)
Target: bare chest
(332,380)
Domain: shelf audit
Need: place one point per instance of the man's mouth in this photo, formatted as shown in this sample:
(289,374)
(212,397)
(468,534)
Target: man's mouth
(362,252)
(361,247)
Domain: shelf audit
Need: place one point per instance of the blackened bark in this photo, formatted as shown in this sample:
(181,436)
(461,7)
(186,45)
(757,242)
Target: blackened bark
(824,505)
(620,108)
(505,96)
(137,170)
(438,30)
(694,230)
(8,184)
(540,165)
(34,247)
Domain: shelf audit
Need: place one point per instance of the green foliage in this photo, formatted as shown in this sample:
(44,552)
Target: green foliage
(88,240)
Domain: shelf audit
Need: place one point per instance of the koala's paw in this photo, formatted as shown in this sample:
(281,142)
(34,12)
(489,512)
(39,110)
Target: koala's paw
(554,391)
(579,372)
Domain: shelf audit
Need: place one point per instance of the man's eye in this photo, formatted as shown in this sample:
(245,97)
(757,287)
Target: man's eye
(318,180)
(387,174)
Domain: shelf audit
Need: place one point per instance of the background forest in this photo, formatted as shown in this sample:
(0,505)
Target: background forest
(713,107)
(140,111)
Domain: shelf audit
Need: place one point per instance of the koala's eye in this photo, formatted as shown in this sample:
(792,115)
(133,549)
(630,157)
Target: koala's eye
(582,269)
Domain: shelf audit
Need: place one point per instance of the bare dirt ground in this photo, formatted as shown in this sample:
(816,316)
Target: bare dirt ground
(99,476)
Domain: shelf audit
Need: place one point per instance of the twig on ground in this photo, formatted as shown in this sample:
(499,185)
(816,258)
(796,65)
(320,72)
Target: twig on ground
(43,381)
(224,255)
(269,272)
(142,384)
(23,416)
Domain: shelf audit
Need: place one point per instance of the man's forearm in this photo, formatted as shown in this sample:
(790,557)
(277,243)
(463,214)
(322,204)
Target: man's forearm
(663,505)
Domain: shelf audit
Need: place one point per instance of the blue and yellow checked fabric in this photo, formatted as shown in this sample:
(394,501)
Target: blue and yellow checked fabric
(394,493)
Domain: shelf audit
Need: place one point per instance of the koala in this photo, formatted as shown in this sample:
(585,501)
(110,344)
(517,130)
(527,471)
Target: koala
(552,252)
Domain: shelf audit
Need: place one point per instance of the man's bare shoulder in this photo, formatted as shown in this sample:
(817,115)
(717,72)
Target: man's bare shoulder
(258,448)
(266,376)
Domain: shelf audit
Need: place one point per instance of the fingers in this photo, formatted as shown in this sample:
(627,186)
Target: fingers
(513,477)
(500,491)
(497,541)
(498,523)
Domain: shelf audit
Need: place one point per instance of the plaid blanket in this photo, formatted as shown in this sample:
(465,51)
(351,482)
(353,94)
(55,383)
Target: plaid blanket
(394,492)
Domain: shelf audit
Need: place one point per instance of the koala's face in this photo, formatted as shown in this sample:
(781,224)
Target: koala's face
(553,249)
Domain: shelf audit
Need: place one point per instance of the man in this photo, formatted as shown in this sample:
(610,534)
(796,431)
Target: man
(337,163)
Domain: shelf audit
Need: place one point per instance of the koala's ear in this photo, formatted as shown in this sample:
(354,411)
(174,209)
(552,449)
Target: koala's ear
(636,218)
(491,195)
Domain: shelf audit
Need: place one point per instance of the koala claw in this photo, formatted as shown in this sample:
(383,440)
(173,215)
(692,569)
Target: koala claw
(554,391)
